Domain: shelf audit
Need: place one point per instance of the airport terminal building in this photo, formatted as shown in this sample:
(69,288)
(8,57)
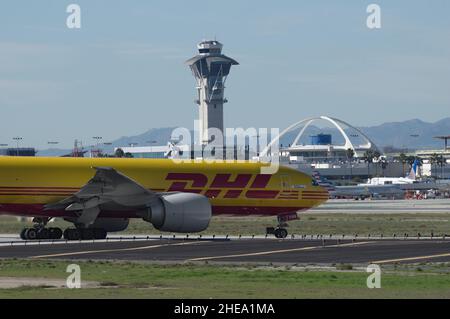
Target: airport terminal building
(14,151)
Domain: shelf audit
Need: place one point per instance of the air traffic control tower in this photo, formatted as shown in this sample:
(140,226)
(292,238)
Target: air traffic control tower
(210,69)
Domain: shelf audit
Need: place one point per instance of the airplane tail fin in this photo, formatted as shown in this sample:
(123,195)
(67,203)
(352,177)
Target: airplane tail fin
(413,173)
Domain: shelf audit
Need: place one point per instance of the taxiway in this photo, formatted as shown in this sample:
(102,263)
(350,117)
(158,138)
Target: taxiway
(238,251)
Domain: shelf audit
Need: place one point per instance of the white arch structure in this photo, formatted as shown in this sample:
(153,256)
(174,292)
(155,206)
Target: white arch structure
(369,145)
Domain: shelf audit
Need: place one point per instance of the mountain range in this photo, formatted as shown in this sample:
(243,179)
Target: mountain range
(412,134)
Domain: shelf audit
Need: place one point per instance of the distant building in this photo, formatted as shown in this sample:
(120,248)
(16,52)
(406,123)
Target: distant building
(174,151)
(322,148)
(435,170)
(426,154)
(22,151)
(165,151)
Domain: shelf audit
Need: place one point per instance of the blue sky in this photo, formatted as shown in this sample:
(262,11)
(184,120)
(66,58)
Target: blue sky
(123,72)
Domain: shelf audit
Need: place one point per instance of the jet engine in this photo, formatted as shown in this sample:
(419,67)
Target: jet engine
(180,212)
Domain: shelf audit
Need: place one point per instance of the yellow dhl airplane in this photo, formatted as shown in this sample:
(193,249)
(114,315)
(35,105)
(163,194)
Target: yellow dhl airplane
(100,195)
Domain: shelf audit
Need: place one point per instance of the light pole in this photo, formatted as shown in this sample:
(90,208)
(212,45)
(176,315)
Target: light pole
(17,139)
(97,139)
(257,144)
(107,144)
(4,145)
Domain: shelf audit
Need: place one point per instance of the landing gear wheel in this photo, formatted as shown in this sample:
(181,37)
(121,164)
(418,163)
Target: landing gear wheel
(72,234)
(87,233)
(30,234)
(43,233)
(39,231)
(281,233)
(22,234)
(84,233)
(66,234)
(100,233)
(55,233)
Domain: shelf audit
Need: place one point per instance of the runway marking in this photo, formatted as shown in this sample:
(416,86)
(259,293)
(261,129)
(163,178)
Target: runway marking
(276,251)
(386,261)
(113,250)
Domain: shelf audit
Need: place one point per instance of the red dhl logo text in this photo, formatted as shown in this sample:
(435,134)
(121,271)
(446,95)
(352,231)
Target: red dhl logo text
(222,185)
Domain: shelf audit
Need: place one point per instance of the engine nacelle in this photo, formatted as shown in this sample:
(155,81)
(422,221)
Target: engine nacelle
(180,212)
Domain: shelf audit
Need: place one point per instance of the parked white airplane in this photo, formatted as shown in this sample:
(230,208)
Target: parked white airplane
(410,179)
(359,191)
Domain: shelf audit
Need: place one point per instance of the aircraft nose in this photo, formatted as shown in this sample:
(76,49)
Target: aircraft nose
(323,189)
(325,192)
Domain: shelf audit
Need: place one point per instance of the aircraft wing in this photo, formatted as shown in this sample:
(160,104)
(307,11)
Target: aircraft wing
(107,187)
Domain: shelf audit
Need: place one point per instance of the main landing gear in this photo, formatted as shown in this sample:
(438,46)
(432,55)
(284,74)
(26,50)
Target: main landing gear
(84,233)
(280,231)
(39,231)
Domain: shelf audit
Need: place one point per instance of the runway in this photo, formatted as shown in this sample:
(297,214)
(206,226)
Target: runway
(238,251)
(350,206)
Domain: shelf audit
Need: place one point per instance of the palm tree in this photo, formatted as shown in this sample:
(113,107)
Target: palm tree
(434,159)
(119,153)
(376,156)
(402,159)
(442,162)
(384,164)
(368,158)
(410,159)
(350,155)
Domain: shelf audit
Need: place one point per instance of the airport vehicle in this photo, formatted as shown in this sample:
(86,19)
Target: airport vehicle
(100,195)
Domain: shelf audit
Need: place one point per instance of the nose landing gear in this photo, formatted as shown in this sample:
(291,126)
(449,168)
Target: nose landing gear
(280,231)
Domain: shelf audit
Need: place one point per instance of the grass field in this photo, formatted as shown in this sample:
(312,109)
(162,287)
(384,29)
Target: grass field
(309,223)
(140,280)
